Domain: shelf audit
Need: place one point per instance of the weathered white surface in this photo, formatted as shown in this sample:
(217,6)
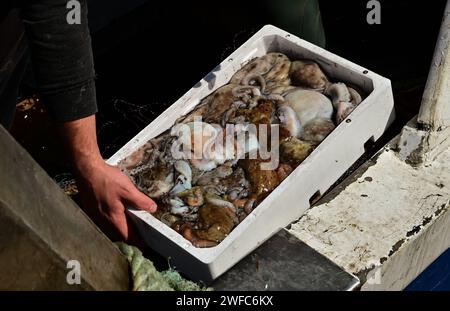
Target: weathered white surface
(411,144)
(413,257)
(393,221)
(435,108)
(422,146)
(428,136)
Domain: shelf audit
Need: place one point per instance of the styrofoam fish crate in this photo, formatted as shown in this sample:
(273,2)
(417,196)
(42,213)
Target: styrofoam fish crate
(324,166)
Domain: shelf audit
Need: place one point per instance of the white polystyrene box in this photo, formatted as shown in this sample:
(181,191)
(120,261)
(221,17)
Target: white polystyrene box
(291,199)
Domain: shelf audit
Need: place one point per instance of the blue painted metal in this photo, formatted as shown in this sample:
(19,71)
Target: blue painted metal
(435,278)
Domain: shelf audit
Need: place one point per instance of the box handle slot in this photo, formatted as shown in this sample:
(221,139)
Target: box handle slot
(369,144)
(314,198)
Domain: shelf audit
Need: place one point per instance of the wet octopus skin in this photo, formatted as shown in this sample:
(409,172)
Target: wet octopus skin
(215,224)
(211,200)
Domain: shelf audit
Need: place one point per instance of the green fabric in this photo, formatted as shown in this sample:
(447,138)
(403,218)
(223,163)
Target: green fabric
(299,17)
(146,278)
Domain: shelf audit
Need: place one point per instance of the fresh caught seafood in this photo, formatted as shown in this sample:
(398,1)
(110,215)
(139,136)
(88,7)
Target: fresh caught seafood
(308,74)
(294,150)
(214,224)
(213,167)
(273,67)
(262,181)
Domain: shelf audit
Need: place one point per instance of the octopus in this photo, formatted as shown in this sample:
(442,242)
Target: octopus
(204,185)
(263,113)
(345,99)
(273,68)
(308,74)
(192,197)
(294,150)
(317,130)
(151,168)
(212,108)
(155,181)
(262,181)
(215,223)
(307,114)
(214,176)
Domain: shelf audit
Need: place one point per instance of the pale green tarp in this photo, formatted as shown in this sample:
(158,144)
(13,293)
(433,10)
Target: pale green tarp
(146,278)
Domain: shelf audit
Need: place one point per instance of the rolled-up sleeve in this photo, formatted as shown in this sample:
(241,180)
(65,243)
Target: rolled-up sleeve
(62,58)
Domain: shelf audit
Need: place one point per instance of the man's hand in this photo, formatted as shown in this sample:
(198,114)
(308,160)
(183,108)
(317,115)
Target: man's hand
(104,189)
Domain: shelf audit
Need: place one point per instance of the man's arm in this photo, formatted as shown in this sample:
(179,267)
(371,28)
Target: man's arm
(104,189)
(62,60)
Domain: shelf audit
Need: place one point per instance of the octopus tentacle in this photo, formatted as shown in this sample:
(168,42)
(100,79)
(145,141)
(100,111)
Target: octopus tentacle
(275,97)
(181,210)
(257,78)
(338,93)
(356,97)
(218,201)
(226,116)
(248,207)
(189,235)
(240,91)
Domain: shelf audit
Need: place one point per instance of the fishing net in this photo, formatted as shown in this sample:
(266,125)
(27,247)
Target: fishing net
(146,278)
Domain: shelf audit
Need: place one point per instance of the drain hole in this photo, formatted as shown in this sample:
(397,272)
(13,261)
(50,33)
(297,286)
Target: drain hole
(369,144)
(314,198)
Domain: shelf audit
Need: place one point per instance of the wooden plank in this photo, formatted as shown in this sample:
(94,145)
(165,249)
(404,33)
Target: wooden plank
(41,230)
